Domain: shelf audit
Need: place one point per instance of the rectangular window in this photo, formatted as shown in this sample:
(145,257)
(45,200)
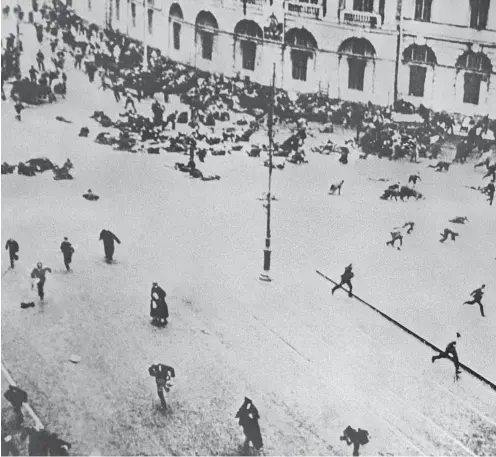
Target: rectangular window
(471,88)
(118,9)
(364,5)
(207,40)
(479,10)
(150,22)
(417,81)
(299,60)
(423,10)
(89,5)
(133,14)
(176,31)
(356,74)
(249,53)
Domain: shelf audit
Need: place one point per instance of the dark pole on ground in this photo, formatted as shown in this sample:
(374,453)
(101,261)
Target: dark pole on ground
(264,276)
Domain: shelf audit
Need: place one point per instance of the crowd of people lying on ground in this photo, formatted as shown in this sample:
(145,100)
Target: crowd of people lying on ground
(39,165)
(118,61)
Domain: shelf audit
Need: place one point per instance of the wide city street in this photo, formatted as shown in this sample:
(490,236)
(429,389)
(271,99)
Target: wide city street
(313,363)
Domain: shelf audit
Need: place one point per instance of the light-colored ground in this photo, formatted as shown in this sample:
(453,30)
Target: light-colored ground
(312,363)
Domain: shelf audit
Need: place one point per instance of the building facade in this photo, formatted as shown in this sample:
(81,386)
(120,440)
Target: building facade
(449,54)
(427,52)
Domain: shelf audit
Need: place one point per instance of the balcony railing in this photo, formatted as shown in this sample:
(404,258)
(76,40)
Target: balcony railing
(307,11)
(362,18)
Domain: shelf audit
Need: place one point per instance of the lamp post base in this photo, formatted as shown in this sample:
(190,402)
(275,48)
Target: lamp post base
(264,277)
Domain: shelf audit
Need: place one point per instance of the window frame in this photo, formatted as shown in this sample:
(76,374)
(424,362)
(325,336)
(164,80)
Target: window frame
(207,51)
(355,83)
(248,46)
(133,14)
(479,14)
(364,6)
(150,15)
(423,10)
(412,90)
(299,65)
(466,99)
(176,35)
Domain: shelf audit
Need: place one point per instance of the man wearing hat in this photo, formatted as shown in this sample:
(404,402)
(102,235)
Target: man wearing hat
(163,375)
(159,311)
(450,351)
(39,273)
(67,251)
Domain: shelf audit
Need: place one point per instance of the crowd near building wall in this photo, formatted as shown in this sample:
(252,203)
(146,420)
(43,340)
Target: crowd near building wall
(440,53)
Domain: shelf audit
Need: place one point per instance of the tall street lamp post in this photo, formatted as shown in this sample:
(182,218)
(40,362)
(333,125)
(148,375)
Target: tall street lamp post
(145,35)
(264,276)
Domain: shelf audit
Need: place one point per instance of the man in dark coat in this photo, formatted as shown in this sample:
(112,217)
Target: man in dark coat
(40,273)
(248,419)
(67,251)
(32,74)
(40,59)
(160,312)
(8,446)
(163,375)
(357,438)
(16,397)
(13,248)
(158,113)
(90,196)
(477,295)
(451,354)
(171,118)
(346,280)
(108,239)
(39,32)
(447,233)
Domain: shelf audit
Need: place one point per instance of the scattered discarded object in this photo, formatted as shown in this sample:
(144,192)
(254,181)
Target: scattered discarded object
(75,358)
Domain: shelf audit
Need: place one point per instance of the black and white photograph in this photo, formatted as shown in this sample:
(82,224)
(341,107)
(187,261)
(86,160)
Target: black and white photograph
(248,227)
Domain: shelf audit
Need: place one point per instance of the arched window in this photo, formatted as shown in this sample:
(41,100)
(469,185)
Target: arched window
(175,18)
(206,28)
(303,46)
(423,10)
(479,11)
(247,32)
(419,54)
(477,67)
(358,51)
(419,58)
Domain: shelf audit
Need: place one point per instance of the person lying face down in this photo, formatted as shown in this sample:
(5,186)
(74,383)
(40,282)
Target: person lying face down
(90,196)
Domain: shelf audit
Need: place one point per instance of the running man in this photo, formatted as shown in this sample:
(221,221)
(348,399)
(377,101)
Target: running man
(450,351)
(346,278)
(477,295)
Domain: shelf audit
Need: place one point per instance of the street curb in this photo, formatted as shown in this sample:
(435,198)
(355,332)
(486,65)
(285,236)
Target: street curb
(474,373)
(27,407)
